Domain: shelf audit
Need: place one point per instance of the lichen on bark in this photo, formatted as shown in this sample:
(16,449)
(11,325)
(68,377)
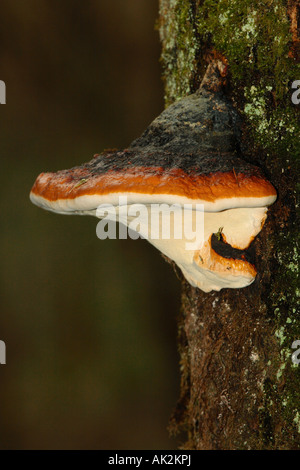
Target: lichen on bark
(180,48)
(240,388)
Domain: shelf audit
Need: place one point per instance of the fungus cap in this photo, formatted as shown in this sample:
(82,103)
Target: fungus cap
(188,155)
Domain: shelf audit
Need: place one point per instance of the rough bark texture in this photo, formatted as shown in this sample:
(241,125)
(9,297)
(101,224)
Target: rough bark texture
(239,386)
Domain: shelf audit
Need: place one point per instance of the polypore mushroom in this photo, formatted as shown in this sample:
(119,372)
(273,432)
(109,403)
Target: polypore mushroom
(188,155)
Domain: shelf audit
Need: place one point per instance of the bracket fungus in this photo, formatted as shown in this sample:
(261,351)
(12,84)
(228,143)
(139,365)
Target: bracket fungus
(188,155)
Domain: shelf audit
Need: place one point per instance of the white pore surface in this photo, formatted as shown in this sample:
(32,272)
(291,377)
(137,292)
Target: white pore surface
(87,203)
(240,224)
(239,227)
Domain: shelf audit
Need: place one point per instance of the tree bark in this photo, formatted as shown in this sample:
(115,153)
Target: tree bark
(239,386)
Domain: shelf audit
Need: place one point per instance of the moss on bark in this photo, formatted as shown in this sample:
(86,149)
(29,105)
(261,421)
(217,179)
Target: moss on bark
(240,388)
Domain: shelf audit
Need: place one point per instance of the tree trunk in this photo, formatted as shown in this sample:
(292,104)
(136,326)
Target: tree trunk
(240,388)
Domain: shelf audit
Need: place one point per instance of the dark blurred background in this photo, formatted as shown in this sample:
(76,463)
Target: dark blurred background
(89,325)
